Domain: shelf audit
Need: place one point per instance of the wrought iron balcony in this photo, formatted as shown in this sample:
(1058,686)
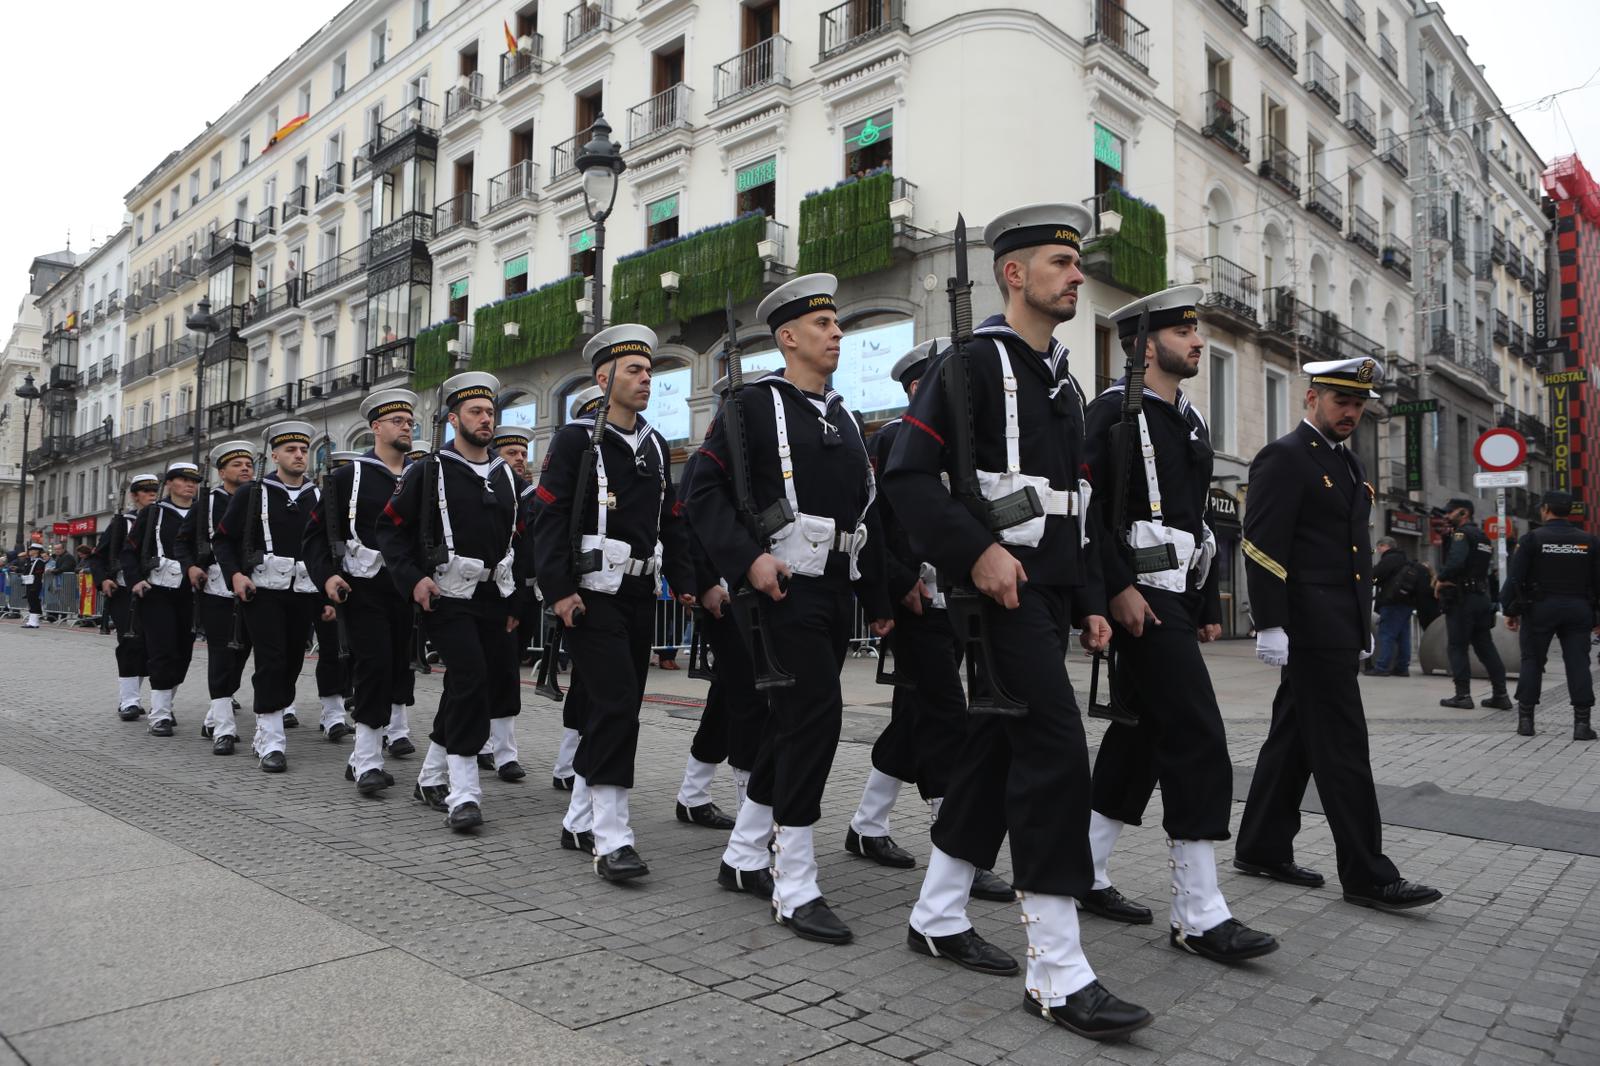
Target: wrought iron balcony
(462,99)
(564,156)
(114,301)
(396,360)
(760,65)
(330,182)
(1526,277)
(1279,165)
(1464,353)
(588,20)
(518,183)
(1521,340)
(856,22)
(1497,245)
(1240,13)
(361,162)
(1225,124)
(1435,106)
(1482,266)
(1129,36)
(1322,80)
(661,114)
(1363,231)
(1324,200)
(330,272)
(1392,151)
(1276,36)
(1231,288)
(294,205)
(416,116)
(273,403)
(458,212)
(266,222)
(106,368)
(1388,55)
(522,64)
(1357,18)
(335,381)
(1514,262)
(1360,120)
(1501,328)
(410,229)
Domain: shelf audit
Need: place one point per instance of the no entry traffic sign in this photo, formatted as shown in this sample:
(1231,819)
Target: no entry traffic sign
(1500,449)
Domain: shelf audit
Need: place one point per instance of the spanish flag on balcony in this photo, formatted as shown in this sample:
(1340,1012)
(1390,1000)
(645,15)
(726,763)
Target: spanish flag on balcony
(287,128)
(511,38)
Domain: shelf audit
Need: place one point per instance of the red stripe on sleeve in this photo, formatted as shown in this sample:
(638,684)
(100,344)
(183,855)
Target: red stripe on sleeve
(545,494)
(924,427)
(713,457)
(393,515)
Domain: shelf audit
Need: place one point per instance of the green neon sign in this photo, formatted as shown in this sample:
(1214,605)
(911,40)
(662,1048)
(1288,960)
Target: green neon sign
(762,173)
(872,130)
(1107,147)
(516,268)
(458,289)
(662,210)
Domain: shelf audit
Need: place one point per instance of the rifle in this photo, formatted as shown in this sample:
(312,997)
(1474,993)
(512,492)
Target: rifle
(701,667)
(146,561)
(963,602)
(746,601)
(547,679)
(250,556)
(434,552)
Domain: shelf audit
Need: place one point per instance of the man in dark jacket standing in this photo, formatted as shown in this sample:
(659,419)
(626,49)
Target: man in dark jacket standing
(1468,611)
(1393,587)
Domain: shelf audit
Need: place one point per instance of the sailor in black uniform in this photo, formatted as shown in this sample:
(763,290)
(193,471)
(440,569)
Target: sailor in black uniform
(166,610)
(1552,585)
(450,539)
(927,727)
(632,530)
(513,444)
(234,462)
(573,706)
(1308,559)
(801,445)
(106,565)
(1161,618)
(1463,589)
(1026,775)
(31,570)
(332,672)
(258,545)
(343,560)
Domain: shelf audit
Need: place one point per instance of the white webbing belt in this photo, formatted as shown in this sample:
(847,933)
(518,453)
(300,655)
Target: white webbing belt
(635,566)
(1152,485)
(1056,501)
(845,541)
(444,514)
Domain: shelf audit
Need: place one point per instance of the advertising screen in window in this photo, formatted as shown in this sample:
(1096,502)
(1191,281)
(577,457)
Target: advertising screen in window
(522,411)
(669,403)
(866,358)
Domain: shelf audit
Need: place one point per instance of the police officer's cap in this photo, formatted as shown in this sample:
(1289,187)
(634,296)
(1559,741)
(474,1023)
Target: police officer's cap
(144,483)
(613,342)
(910,367)
(1036,224)
(229,450)
(1357,377)
(802,296)
(341,458)
(1177,306)
(1461,501)
(184,469)
(586,399)
(473,385)
(1559,501)
(281,433)
(506,436)
(385,402)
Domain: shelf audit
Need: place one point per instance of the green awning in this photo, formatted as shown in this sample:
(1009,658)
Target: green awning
(516,268)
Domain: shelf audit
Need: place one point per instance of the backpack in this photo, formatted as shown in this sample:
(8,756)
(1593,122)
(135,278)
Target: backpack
(1412,584)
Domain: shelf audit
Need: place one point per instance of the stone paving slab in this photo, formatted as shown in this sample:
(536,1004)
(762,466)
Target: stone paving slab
(103,846)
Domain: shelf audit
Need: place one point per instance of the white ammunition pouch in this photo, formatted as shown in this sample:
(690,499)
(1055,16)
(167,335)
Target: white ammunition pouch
(995,484)
(278,572)
(804,544)
(461,575)
(359,560)
(167,574)
(1192,555)
(27,579)
(616,556)
(215,585)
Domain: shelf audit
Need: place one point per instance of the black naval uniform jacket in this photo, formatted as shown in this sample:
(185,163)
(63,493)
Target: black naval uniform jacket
(285,517)
(202,521)
(643,508)
(327,528)
(106,562)
(1182,443)
(485,516)
(705,572)
(1050,408)
(1557,559)
(832,479)
(1307,551)
(171,519)
(901,566)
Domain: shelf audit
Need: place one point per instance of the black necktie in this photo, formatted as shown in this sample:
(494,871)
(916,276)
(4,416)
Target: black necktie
(1349,461)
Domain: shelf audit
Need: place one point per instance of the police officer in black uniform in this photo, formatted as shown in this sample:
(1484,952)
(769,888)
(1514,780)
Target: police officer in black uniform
(1551,589)
(1468,611)
(166,608)
(106,565)
(1308,560)
(1161,618)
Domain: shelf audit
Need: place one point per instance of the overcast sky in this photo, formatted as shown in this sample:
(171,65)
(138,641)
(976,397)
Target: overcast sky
(98,93)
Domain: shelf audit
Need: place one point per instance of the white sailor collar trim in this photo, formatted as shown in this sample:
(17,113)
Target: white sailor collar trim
(495,462)
(830,396)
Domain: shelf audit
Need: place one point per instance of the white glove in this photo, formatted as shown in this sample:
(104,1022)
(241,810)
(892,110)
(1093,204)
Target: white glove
(1272,646)
(1372,646)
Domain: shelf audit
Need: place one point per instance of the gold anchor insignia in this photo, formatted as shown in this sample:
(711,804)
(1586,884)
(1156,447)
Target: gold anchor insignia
(1365,371)
(1328,481)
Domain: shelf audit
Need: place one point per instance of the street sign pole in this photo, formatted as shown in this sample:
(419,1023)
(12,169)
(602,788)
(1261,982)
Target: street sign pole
(1500,541)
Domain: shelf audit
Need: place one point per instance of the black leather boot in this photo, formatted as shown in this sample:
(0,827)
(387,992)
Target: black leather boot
(1525,719)
(1499,701)
(1462,700)
(1581,729)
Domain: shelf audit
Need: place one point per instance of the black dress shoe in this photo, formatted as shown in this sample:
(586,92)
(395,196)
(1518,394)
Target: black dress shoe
(1231,941)
(400,748)
(707,814)
(130,713)
(881,850)
(1460,703)
(349,772)
(290,721)
(1399,895)
(512,771)
(1093,1012)
(274,762)
(1500,701)
(161,728)
(815,921)
(376,781)
(965,948)
(432,795)
(1109,903)
(581,841)
(338,731)
(561,784)
(986,885)
(485,762)
(623,864)
(756,882)
(208,731)
(464,817)
(223,745)
(1287,872)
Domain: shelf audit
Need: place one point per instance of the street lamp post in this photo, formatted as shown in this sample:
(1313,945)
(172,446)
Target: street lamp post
(27,392)
(203,323)
(600,162)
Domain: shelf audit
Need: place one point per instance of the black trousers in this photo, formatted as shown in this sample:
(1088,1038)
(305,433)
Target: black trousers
(333,673)
(224,665)
(812,624)
(1028,776)
(928,724)
(1568,619)
(131,655)
(480,668)
(575,706)
(167,617)
(1471,624)
(1179,740)
(35,594)
(741,710)
(611,648)
(378,620)
(279,623)
(1318,731)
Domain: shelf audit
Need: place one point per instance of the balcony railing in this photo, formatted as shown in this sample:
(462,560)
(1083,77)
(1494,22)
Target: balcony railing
(564,156)
(1359,119)
(1237,9)
(1514,263)
(63,376)
(419,115)
(1435,106)
(1392,150)
(518,183)
(1388,55)
(1322,80)
(461,99)
(1354,15)
(268,302)
(515,66)
(331,272)
(330,182)
(1482,266)
(1363,231)
(294,205)
(1463,352)
(662,113)
(586,21)
(760,65)
(1501,328)
(1312,331)
(114,301)
(1114,26)
(396,360)
(1527,272)
(1279,165)
(1497,246)
(238,233)
(1231,288)
(460,211)
(106,367)
(361,162)
(156,435)
(335,381)
(266,222)
(410,228)
(273,403)
(1226,125)
(1520,342)
(855,22)
(1276,36)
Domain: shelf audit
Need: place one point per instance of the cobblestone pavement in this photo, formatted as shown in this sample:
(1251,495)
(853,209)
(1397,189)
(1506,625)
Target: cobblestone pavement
(675,971)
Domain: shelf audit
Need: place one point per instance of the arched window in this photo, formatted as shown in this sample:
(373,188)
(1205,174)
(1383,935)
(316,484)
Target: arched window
(1219,224)
(1391,328)
(1318,297)
(361,439)
(1358,306)
(1274,261)
(518,408)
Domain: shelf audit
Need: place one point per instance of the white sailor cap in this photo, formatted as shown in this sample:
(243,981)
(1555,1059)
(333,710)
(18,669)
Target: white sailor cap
(417,452)
(229,450)
(472,385)
(184,469)
(1359,377)
(584,400)
(509,435)
(719,387)
(810,292)
(376,405)
(341,458)
(144,483)
(1177,306)
(281,433)
(1025,227)
(911,366)
(628,338)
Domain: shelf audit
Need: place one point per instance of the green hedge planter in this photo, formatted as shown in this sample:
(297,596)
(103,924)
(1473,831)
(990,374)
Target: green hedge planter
(430,362)
(548,319)
(709,263)
(846,230)
(1135,258)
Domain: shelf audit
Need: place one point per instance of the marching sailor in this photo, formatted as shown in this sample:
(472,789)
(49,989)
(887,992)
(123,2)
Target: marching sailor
(513,444)
(106,565)
(31,569)
(166,610)
(333,670)
(562,777)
